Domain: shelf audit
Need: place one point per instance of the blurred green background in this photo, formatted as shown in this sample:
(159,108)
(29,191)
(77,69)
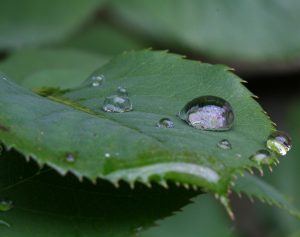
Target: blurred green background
(44,40)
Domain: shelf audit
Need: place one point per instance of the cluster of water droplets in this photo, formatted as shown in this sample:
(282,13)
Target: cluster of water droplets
(209,113)
(278,143)
(97,80)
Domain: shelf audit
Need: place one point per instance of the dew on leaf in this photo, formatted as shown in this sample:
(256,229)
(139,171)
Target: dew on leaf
(208,113)
(224,144)
(279,142)
(117,104)
(70,158)
(97,80)
(121,91)
(165,123)
(262,157)
(6,204)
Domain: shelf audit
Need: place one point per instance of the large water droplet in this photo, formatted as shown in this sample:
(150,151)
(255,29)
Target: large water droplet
(117,104)
(262,157)
(165,123)
(121,91)
(279,142)
(208,113)
(97,80)
(6,204)
(224,144)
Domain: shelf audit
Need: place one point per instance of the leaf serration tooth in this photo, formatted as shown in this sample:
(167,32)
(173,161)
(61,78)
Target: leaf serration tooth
(163,183)
(186,186)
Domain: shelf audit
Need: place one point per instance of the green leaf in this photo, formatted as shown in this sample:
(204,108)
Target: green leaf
(201,218)
(296,234)
(36,22)
(234,30)
(47,204)
(33,68)
(103,39)
(252,186)
(129,146)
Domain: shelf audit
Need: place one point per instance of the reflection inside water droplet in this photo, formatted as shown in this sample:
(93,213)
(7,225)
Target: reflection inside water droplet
(97,80)
(121,91)
(279,142)
(6,204)
(208,113)
(117,104)
(165,123)
(224,144)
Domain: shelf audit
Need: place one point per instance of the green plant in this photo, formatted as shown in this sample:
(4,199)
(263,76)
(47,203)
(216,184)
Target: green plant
(73,165)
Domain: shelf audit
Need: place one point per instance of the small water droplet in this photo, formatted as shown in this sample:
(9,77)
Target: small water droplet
(165,123)
(107,155)
(224,144)
(208,113)
(262,157)
(117,104)
(121,91)
(6,204)
(70,158)
(279,142)
(97,80)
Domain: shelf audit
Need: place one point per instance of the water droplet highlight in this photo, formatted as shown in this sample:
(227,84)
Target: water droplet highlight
(117,104)
(97,80)
(121,91)
(107,155)
(262,157)
(70,158)
(208,113)
(6,204)
(224,144)
(165,123)
(279,142)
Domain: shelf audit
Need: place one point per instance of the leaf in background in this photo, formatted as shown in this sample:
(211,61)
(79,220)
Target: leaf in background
(129,146)
(287,174)
(47,204)
(254,30)
(252,186)
(35,22)
(63,68)
(103,39)
(201,218)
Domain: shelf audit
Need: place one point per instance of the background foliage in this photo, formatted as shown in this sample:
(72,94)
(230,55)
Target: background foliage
(58,43)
